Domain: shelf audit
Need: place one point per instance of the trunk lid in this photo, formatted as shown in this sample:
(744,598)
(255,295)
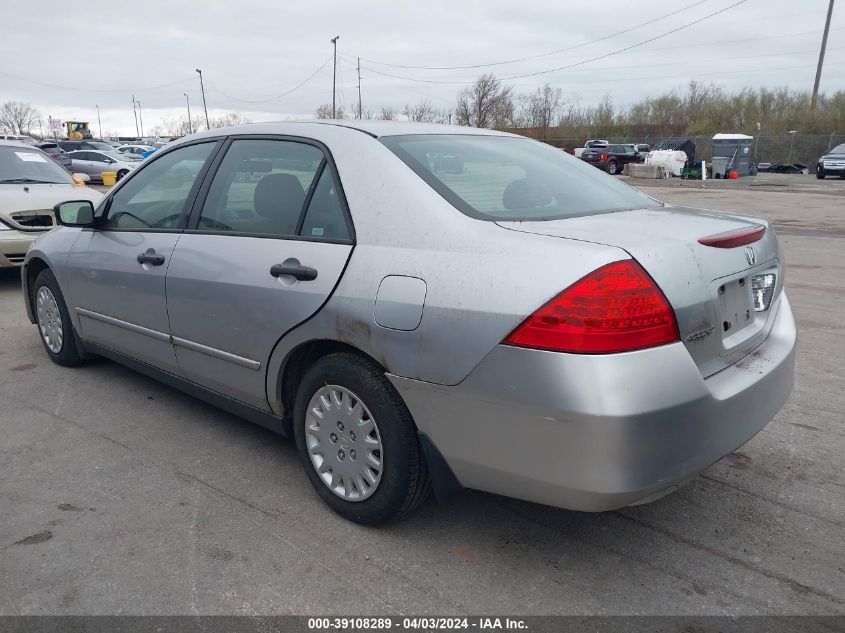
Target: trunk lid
(709,288)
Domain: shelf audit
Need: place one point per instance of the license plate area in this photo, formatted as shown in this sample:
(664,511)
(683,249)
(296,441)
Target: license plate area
(736,305)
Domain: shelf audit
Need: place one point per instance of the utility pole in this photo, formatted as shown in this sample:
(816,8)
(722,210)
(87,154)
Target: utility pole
(360,114)
(135,114)
(821,57)
(141,118)
(204,107)
(188,102)
(334,77)
(99,125)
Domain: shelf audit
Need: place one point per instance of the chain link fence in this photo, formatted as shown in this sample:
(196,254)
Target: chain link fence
(768,148)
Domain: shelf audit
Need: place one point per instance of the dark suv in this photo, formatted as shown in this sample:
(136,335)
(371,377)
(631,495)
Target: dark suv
(611,158)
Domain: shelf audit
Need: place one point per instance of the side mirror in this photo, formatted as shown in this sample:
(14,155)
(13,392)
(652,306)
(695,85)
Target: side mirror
(74,213)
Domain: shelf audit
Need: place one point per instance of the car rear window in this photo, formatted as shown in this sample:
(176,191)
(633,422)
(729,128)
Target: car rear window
(512,179)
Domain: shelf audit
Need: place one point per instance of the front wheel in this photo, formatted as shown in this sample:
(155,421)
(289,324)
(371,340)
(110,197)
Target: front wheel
(122,173)
(53,320)
(357,441)
(612,168)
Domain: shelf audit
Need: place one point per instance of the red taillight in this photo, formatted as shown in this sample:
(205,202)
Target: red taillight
(737,237)
(604,156)
(616,308)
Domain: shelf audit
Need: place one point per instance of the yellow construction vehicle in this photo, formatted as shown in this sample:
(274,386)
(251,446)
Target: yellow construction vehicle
(78,130)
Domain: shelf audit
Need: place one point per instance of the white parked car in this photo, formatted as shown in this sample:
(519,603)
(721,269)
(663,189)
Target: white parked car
(31,183)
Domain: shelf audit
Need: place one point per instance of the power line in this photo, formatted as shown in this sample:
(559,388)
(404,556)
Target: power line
(78,89)
(638,44)
(573,65)
(555,52)
(705,74)
(275,97)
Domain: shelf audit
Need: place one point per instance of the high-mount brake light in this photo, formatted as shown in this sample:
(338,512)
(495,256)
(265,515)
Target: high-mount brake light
(616,308)
(737,237)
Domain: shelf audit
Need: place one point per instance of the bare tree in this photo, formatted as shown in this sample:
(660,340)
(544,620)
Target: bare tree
(423,111)
(17,117)
(178,126)
(540,108)
(487,103)
(388,113)
(325,112)
(225,120)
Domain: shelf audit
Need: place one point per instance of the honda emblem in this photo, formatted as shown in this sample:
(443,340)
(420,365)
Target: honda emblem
(750,255)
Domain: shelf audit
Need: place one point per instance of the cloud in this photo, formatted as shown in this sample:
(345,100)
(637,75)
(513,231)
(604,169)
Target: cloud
(65,62)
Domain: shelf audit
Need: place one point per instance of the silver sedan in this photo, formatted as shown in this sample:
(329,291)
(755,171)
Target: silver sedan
(95,162)
(429,307)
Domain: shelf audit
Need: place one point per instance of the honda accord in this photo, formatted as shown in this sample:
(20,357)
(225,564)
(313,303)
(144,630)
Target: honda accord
(429,307)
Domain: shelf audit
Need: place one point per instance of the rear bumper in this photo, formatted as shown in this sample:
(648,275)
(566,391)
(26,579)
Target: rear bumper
(13,247)
(596,433)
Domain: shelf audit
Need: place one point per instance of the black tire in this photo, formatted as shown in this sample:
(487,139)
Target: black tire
(68,354)
(612,168)
(820,172)
(122,173)
(404,482)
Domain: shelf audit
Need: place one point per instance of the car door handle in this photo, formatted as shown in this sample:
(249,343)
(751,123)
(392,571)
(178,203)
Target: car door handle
(149,257)
(303,273)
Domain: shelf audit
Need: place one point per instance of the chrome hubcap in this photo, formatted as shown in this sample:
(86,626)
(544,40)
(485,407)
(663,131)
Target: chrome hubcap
(49,319)
(343,442)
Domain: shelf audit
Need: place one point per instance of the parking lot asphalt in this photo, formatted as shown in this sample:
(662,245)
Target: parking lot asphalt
(120,495)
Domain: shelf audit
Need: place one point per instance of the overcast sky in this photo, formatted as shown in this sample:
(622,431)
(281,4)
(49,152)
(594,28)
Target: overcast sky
(65,58)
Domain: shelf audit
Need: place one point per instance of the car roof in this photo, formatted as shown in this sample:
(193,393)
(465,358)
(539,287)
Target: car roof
(18,144)
(374,128)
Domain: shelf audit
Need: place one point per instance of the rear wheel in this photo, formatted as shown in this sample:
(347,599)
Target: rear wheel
(612,168)
(53,320)
(357,441)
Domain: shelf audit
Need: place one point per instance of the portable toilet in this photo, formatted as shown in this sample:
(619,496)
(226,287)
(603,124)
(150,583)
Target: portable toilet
(736,148)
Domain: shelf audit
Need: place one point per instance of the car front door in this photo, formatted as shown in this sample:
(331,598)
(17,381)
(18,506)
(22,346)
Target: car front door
(265,247)
(82,164)
(116,272)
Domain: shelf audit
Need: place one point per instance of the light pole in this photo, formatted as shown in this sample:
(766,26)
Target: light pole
(204,107)
(141,118)
(792,134)
(188,103)
(135,114)
(821,57)
(99,125)
(334,76)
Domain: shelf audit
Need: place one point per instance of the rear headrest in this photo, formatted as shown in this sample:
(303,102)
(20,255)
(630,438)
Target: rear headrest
(527,193)
(279,196)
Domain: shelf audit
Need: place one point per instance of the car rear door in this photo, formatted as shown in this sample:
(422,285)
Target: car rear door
(267,242)
(116,272)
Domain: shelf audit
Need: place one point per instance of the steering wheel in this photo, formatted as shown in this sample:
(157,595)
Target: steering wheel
(165,222)
(209,223)
(116,218)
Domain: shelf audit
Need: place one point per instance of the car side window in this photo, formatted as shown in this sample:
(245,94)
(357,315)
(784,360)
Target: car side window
(156,196)
(261,188)
(96,157)
(324,217)
(80,156)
